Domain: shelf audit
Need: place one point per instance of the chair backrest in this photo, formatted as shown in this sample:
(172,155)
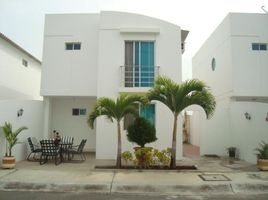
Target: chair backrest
(30,144)
(48,147)
(33,143)
(67,140)
(81,146)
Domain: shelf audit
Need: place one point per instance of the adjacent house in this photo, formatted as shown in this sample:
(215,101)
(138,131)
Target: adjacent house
(20,72)
(234,62)
(20,100)
(87,56)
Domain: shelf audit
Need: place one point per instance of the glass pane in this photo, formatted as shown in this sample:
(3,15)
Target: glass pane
(263,47)
(255,46)
(148,112)
(77,46)
(147,64)
(137,64)
(69,46)
(75,111)
(128,64)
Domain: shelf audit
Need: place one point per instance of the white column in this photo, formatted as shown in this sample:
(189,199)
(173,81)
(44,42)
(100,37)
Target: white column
(47,117)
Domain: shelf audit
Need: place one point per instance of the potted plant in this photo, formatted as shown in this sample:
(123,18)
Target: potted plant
(231,152)
(141,132)
(262,155)
(8,161)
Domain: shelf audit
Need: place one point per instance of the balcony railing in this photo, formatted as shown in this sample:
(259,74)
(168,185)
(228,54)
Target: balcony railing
(138,76)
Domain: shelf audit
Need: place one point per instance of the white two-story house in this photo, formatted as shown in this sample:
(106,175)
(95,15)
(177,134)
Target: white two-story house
(87,56)
(234,62)
(20,100)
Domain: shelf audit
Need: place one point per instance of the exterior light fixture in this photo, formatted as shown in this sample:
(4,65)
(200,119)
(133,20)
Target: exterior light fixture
(266,117)
(20,112)
(247,116)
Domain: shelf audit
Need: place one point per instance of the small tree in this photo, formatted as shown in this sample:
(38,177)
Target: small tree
(11,137)
(141,132)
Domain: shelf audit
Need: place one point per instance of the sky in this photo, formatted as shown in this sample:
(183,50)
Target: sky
(23,20)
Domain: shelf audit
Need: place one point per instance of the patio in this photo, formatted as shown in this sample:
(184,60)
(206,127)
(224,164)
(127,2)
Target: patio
(204,164)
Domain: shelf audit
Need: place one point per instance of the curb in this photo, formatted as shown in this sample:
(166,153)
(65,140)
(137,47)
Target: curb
(72,187)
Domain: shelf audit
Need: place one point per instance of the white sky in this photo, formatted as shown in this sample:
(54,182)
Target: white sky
(23,20)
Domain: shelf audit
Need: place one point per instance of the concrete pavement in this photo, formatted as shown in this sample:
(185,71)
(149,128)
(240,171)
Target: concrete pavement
(82,177)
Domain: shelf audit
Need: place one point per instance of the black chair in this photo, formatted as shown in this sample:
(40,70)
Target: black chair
(49,150)
(78,150)
(34,146)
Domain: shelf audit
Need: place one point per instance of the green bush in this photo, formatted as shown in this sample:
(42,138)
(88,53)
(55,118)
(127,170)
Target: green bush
(127,156)
(262,152)
(141,132)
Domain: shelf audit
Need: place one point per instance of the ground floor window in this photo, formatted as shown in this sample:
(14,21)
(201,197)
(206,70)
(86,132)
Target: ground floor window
(148,112)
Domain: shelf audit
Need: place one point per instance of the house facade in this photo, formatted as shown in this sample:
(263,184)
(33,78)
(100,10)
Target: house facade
(20,100)
(87,56)
(234,63)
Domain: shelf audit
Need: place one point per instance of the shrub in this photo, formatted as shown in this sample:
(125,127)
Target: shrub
(141,132)
(127,156)
(262,152)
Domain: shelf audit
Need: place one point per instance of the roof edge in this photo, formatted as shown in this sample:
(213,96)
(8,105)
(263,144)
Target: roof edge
(19,47)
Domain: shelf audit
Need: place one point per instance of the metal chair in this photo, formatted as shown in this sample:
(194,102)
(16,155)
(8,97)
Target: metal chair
(78,149)
(34,146)
(49,149)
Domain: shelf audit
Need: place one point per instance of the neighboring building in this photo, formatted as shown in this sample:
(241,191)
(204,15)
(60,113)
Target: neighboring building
(20,100)
(20,72)
(234,63)
(87,56)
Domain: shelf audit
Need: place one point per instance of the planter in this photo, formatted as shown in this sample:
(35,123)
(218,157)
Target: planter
(262,164)
(8,162)
(232,154)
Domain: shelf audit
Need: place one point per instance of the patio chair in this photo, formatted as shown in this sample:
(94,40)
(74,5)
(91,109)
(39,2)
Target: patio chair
(78,150)
(65,144)
(34,146)
(49,150)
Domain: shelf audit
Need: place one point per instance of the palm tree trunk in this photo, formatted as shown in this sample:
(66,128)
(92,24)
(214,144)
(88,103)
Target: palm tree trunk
(174,141)
(118,160)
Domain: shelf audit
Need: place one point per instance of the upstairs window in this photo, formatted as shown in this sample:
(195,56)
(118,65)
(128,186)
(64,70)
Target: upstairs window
(72,46)
(25,63)
(259,47)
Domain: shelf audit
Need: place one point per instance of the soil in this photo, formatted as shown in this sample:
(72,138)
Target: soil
(179,167)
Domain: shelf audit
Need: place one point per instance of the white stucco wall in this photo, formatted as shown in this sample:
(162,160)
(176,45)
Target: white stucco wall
(247,134)
(70,72)
(32,118)
(66,124)
(111,57)
(16,80)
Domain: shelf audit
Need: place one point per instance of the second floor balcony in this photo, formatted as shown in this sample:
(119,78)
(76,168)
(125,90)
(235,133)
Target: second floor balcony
(133,76)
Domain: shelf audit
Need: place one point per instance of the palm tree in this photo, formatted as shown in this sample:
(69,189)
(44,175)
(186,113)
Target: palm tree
(179,96)
(11,137)
(115,110)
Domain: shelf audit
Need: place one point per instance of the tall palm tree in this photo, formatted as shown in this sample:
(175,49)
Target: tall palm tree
(115,110)
(179,96)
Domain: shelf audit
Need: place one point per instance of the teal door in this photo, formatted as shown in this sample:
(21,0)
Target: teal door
(148,112)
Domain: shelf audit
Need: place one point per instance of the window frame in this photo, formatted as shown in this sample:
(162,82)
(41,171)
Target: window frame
(72,46)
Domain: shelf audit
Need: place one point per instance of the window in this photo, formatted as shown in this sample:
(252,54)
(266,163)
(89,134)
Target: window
(73,46)
(259,46)
(139,64)
(213,64)
(25,63)
(79,111)
(148,112)
(75,111)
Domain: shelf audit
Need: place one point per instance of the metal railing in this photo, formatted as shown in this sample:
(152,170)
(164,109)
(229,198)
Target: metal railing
(138,76)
